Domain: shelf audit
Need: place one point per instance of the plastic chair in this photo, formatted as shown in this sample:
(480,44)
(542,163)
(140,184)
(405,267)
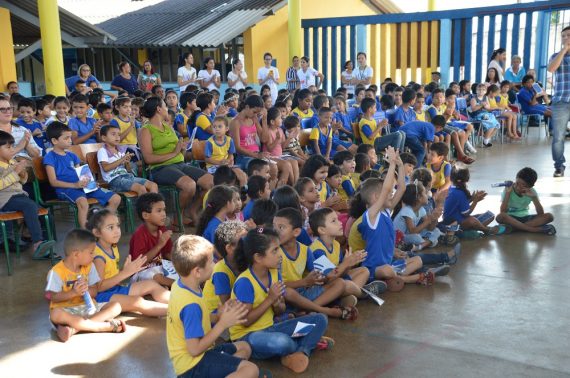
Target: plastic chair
(15,216)
(526,117)
(306,123)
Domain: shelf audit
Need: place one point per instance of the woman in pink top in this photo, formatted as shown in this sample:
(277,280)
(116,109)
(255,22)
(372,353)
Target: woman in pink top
(245,130)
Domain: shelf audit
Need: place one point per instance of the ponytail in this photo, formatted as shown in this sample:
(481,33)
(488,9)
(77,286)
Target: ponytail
(257,241)
(218,198)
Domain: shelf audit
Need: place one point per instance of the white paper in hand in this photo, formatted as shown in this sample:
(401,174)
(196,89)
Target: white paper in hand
(302,329)
(323,265)
(376,298)
(84,172)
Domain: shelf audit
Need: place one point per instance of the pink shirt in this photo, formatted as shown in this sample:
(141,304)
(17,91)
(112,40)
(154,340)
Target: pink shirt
(248,138)
(277,149)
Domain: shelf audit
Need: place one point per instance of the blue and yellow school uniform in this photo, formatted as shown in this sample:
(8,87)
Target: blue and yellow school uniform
(188,318)
(324,191)
(131,137)
(67,278)
(210,230)
(347,188)
(250,290)
(421,116)
(322,140)
(439,176)
(221,283)
(302,115)
(203,121)
(379,237)
(432,111)
(219,151)
(181,120)
(366,128)
(295,268)
(111,260)
(355,179)
(247,209)
(320,249)
(355,240)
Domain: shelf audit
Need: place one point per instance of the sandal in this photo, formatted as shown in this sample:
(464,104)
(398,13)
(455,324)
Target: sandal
(503,229)
(348,313)
(466,159)
(264,373)
(426,279)
(325,343)
(43,251)
(119,326)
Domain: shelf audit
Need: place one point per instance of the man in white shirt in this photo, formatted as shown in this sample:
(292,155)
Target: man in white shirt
(269,75)
(363,73)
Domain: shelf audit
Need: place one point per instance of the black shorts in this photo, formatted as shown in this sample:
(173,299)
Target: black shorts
(217,362)
(170,174)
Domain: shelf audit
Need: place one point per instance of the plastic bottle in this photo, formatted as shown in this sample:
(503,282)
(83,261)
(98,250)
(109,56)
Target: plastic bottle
(504,183)
(91,309)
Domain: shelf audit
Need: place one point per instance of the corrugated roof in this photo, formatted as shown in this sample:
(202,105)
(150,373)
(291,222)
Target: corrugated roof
(26,31)
(188,22)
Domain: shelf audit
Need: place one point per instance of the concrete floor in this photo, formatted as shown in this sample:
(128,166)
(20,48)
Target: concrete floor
(500,312)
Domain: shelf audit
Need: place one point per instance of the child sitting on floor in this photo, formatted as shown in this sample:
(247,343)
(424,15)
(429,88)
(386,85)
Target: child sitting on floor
(219,205)
(67,283)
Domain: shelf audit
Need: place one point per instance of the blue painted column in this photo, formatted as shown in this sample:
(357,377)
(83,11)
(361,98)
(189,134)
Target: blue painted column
(541,47)
(444,53)
(361,39)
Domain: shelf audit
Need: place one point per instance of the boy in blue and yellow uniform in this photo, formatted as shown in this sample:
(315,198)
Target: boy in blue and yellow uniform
(126,123)
(220,149)
(189,335)
(345,161)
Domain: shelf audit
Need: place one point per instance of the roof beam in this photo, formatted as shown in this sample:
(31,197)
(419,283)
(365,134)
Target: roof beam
(29,50)
(34,20)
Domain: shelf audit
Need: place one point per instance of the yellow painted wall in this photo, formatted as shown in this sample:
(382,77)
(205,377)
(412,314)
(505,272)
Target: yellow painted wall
(7,58)
(271,34)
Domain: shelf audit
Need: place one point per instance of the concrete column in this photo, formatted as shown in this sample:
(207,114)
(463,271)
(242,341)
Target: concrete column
(294,29)
(48,12)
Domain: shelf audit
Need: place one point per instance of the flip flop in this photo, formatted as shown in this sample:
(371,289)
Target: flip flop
(325,343)
(504,229)
(43,251)
(466,159)
(264,373)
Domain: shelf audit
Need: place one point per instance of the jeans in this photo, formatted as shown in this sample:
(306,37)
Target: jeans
(396,139)
(560,119)
(277,341)
(431,258)
(417,148)
(29,208)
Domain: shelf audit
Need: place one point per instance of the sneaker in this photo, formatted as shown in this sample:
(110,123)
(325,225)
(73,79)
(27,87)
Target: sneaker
(559,172)
(469,148)
(549,229)
(487,145)
(439,271)
(376,287)
(349,301)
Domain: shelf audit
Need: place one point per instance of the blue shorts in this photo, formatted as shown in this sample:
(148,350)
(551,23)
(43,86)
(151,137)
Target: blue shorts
(123,183)
(72,195)
(339,142)
(243,161)
(216,362)
(105,296)
(459,124)
(311,293)
(397,265)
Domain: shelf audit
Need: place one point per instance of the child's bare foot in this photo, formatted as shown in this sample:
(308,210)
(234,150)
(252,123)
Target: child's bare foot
(297,362)
(65,332)
(395,284)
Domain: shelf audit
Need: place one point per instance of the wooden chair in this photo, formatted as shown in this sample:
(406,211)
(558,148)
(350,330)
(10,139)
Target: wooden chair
(199,151)
(81,150)
(41,177)
(128,197)
(304,137)
(15,216)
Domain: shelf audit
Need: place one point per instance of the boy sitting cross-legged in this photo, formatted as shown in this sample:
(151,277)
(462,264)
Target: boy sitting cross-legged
(60,168)
(307,288)
(189,334)
(327,227)
(68,281)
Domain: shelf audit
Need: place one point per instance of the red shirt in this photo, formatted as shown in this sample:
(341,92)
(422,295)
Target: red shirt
(143,241)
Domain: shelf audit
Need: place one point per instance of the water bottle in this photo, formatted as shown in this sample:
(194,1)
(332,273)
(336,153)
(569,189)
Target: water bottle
(91,309)
(501,184)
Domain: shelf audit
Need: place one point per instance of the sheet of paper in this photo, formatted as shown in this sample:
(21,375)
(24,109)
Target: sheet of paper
(323,265)
(376,299)
(302,329)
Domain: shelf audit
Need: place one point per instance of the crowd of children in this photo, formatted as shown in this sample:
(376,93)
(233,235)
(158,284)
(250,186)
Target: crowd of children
(304,207)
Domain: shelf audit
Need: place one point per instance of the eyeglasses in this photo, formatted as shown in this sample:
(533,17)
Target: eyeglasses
(268,59)
(6,110)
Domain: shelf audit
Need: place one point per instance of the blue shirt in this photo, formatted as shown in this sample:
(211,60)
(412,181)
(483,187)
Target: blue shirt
(404,116)
(210,230)
(63,165)
(304,237)
(70,81)
(129,85)
(247,210)
(344,119)
(32,127)
(379,238)
(421,130)
(456,207)
(232,112)
(561,80)
(525,97)
(83,128)
(515,78)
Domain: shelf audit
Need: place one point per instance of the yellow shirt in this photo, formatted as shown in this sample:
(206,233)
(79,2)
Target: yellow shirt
(319,248)
(438,177)
(323,190)
(355,240)
(503,104)
(131,137)
(355,179)
(250,290)
(372,124)
(111,262)
(61,273)
(341,192)
(294,268)
(438,111)
(219,151)
(203,122)
(187,318)
(421,116)
(221,283)
(299,113)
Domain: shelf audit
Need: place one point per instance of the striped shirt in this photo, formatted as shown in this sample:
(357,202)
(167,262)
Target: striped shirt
(292,79)
(561,80)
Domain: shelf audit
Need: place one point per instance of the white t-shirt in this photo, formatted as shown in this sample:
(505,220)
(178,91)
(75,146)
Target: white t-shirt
(207,77)
(103,155)
(233,77)
(363,73)
(262,73)
(307,78)
(408,212)
(497,66)
(186,74)
(348,76)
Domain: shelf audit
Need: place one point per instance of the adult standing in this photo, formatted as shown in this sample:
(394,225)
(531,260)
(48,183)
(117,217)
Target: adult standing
(186,73)
(307,75)
(125,80)
(163,151)
(148,78)
(498,58)
(363,73)
(210,77)
(269,75)
(516,71)
(559,65)
(347,78)
(237,77)
(24,145)
(291,75)
(83,73)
